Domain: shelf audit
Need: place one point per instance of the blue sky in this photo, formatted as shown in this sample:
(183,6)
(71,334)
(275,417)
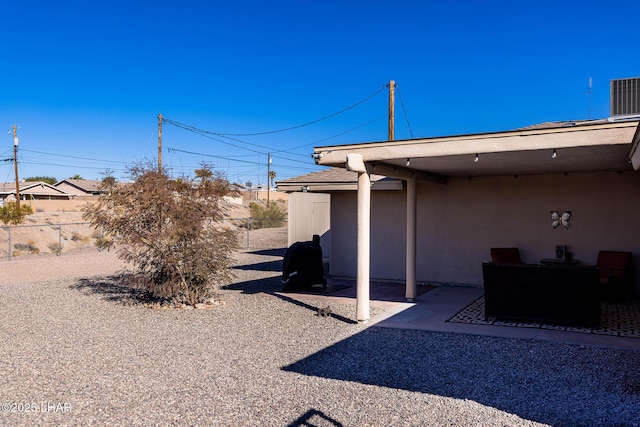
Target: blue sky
(85,81)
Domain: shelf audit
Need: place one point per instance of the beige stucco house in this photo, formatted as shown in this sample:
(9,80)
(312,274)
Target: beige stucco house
(79,187)
(461,195)
(32,190)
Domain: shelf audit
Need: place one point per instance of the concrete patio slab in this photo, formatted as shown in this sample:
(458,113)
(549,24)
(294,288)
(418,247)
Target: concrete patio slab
(432,310)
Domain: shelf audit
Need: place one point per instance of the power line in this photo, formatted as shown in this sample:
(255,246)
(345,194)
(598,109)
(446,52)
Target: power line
(289,128)
(68,166)
(289,150)
(208,134)
(172,150)
(337,135)
(405,111)
(72,157)
(262,165)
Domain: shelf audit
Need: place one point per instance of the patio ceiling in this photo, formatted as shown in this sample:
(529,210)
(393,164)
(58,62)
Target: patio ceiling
(584,147)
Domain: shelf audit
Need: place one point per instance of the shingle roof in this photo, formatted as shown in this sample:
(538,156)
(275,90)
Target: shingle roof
(332,175)
(88,185)
(30,187)
(561,124)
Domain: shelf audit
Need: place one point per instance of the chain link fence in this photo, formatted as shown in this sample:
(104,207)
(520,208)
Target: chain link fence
(57,236)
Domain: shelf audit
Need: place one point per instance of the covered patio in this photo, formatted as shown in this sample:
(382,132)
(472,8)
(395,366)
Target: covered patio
(457,309)
(464,194)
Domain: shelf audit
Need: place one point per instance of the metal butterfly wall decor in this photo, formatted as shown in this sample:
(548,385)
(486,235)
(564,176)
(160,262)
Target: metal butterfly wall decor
(557,219)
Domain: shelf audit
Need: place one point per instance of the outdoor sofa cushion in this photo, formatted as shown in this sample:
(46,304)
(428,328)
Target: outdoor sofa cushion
(505,255)
(616,280)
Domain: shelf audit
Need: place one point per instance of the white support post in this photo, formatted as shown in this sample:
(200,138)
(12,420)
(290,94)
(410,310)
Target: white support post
(355,163)
(364,241)
(411,290)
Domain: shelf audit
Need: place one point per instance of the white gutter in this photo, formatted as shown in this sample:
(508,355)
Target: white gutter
(512,141)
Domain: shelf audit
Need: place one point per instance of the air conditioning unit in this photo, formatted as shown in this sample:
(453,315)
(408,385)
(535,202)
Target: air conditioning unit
(625,97)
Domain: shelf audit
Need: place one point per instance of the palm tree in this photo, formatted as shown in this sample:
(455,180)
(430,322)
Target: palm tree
(272,176)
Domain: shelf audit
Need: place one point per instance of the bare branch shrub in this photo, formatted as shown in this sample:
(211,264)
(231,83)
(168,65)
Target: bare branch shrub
(171,231)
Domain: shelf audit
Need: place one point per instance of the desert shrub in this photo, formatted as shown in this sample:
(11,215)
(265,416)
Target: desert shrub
(169,230)
(77,237)
(29,246)
(102,242)
(54,248)
(269,215)
(10,214)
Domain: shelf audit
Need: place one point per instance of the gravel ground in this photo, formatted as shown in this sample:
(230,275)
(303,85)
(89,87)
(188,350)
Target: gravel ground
(75,352)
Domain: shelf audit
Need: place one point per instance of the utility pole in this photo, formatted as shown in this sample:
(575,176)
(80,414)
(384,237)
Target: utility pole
(268,177)
(589,92)
(392,86)
(159,143)
(15,162)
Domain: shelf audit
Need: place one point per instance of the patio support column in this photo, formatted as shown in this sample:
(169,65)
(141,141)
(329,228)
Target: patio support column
(411,290)
(364,241)
(355,163)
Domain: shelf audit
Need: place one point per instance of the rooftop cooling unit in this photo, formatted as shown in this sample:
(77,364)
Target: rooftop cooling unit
(625,97)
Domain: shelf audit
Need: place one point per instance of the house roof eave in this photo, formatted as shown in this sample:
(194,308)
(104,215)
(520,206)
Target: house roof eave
(596,146)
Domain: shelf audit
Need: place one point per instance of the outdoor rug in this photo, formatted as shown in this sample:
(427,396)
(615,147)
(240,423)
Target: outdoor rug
(616,319)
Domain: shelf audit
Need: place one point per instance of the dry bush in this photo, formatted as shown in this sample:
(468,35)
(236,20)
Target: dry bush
(29,246)
(102,242)
(169,230)
(77,237)
(269,215)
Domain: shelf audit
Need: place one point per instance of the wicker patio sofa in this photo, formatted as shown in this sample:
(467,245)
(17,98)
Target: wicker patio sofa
(542,293)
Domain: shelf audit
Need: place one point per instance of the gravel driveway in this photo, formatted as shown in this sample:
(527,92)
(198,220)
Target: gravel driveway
(74,352)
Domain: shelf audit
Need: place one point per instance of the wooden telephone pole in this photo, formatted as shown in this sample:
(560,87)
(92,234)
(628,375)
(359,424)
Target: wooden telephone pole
(159,143)
(15,162)
(392,86)
(268,177)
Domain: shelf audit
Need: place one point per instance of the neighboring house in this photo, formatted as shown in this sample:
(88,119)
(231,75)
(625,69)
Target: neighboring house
(463,194)
(79,187)
(35,190)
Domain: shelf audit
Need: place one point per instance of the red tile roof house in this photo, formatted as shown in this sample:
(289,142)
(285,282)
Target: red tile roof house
(461,195)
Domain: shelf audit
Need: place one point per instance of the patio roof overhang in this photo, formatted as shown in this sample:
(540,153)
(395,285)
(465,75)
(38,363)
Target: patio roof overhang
(573,147)
(579,147)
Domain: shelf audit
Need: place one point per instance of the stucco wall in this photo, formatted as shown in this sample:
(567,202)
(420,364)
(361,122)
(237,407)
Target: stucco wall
(458,222)
(59,205)
(308,215)
(262,195)
(388,218)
